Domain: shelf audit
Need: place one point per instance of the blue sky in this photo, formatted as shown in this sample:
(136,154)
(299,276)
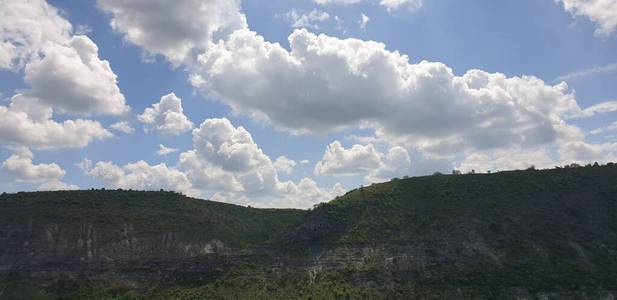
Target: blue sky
(543,39)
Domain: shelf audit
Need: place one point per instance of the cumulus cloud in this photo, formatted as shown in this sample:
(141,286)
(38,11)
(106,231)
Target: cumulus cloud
(306,19)
(567,152)
(225,165)
(72,79)
(167,116)
(328,84)
(26,27)
(63,71)
(284,165)
(353,161)
(226,160)
(602,12)
(21,167)
(175,29)
(325,84)
(64,74)
(25,122)
(231,148)
(123,127)
(582,152)
(364,160)
(57,185)
(139,175)
(506,159)
(395,163)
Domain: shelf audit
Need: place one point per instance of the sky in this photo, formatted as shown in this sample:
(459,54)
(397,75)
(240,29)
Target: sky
(291,103)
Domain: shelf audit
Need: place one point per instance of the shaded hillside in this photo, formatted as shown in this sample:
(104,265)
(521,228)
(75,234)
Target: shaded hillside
(551,230)
(103,225)
(519,234)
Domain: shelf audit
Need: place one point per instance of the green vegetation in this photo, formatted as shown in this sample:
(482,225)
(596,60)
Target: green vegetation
(546,234)
(148,214)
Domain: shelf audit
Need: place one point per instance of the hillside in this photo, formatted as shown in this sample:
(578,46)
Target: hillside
(517,234)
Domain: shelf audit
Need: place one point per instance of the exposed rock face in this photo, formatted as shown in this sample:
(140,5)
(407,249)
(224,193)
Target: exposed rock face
(514,235)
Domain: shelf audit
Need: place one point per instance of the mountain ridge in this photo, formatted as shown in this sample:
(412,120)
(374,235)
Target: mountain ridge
(514,234)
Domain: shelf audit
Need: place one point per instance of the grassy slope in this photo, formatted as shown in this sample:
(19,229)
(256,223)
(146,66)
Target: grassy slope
(407,209)
(551,230)
(150,214)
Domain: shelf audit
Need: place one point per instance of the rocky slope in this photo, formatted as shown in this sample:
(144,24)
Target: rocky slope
(519,234)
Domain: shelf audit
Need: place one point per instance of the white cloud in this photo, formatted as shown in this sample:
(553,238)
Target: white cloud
(611,127)
(26,27)
(509,159)
(175,29)
(327,84)
(389,4)
(591,72)
(566,152)
(396,4)
(167,116)
(284,165)
(339,2)
(227,162)
(602,12)
(600,108)
(364,160)
(82,29)
(57,185)
(25,122)
(139,175)
(396,163)
(363,21)
(347,162)
(64,73)
(305,161)
(72,79)
(306,19)
(165,150)
(123,127)
(20,166)
(226,165)
(582,152)
(231,148)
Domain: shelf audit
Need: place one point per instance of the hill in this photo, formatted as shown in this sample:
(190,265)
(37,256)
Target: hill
(518,234)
